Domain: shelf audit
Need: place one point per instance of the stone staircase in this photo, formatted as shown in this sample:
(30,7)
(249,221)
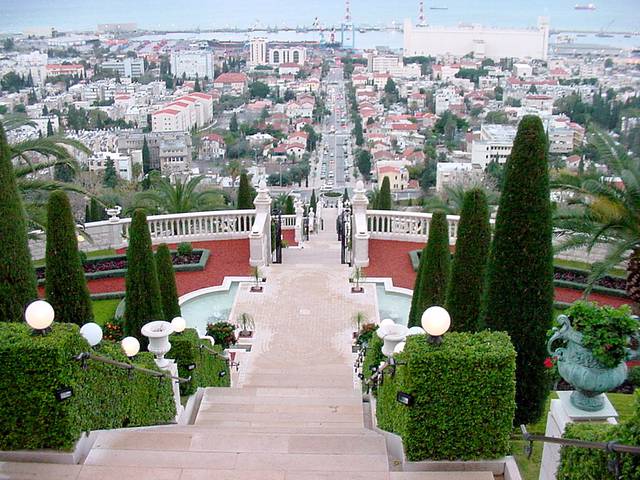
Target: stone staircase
(296,410)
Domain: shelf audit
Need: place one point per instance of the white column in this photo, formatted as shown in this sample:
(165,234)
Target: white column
(260,236)
(360,229)
(561,413)
(299,223)
(312,221)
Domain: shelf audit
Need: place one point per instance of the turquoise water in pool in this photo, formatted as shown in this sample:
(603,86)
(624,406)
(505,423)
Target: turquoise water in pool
(395,306)
(209,308)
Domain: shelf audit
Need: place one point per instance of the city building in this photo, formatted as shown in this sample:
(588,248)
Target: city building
(231,83)
(54,69)
(184,113)
(484,42)
(129,67)
(283,54)
(258,51)
(192,63)
(398,175)
(123,163)
(212,147)
(494,144)
(162,145)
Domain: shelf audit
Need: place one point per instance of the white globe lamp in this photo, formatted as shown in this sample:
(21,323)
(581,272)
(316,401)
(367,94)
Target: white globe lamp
(179,324)
(131,346)
(39,315)
(92,333)
(436,322)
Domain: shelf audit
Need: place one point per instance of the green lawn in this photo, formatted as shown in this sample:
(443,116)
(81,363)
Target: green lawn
(586,266)
(96,253)
(103,310)
(530,467)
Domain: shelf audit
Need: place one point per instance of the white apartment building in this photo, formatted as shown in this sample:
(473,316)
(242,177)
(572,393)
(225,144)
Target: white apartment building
(280,55)
(495,143)
(183,114)
(258,51)
(192,63)
(129,67)
(446,98)
(34,63)
(522,70)
(391,64)
(449,174)
(124,164)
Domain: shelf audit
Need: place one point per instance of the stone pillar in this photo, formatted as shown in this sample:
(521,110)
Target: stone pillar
(361,234)
(312,221)
(561,413)
(299,237)
(172,369)
(260,236)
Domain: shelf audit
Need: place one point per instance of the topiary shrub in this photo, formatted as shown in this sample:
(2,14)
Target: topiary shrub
(17,277)
(464,391)
(519,297)
(65,287)
(185,248)
(582,463)
(245,193)
(104,396)
(185,349)
(142,301)
(167,283)
(223,334)
(385,202)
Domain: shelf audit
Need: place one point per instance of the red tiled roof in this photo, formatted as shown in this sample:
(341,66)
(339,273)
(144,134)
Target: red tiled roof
(231,77)
(167,111)
(213,137)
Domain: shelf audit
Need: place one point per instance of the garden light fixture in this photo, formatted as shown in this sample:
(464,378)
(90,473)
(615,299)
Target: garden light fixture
(92,333)
(179,324)
(131,346)
(405,399)
(436,321)
(39,315)
(222,373)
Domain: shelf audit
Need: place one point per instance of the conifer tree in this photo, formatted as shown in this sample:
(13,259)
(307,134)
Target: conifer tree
(289,208)
(65,284)
(142,299)
(110,176)
(466,286)
(167,283)
(146,157)
(196,86)
(49,128)
(313,202)
(245,200)
(384,201)
(17,276)
(435,275)
(519,297)
(413,321)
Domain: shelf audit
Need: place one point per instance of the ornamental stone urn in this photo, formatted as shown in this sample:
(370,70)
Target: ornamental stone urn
(577,365)
(158,333)
(392,334)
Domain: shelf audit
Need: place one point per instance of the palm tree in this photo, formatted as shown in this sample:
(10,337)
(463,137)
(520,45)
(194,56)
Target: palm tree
(233,169)
(181,197)
(605,213)
(453,197)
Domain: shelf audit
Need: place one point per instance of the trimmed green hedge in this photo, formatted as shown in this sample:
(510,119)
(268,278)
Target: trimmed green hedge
(582,463)
(373,356)
(104,396)
(463,388)
(185,350)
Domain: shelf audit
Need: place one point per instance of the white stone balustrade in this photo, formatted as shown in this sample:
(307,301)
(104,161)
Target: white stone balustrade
(288,222)
(406,226)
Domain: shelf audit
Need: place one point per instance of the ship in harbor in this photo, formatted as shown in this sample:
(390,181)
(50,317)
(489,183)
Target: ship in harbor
(588,6)
(438,8)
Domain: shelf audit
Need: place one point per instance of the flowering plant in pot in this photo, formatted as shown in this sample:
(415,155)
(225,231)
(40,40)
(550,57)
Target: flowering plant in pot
(223,334)
(595,344)
(245,321)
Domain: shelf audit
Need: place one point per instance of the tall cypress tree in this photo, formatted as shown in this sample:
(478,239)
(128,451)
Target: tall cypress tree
(167,282)
(146,157)
(110,179)
(49,128)
(65,285)
(519,296)
(414,316)
(289,208)
(17,276)
(142,299)
(464,295)
(244,193)
(313,202)
(435,273)
(384,197)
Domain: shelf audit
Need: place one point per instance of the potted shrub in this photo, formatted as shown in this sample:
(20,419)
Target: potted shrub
(255,273)
(595,346)
(223,334)
(364,335)
(357,277)
(358,319)
(184,249)
(246,323)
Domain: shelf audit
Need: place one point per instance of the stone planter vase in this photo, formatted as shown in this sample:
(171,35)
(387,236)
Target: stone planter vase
(392,335)
(158,333)
(577,366)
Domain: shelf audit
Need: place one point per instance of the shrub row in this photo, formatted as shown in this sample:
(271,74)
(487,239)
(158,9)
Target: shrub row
(373,356)
(185,348)
(580,463)
(104,396)
(121,272)
(463,388)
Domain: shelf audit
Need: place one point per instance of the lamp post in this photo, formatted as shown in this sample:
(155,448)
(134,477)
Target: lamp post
(436,322)
(39,316)
(130,346)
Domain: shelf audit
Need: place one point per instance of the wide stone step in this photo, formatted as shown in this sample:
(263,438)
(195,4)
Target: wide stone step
(215,399)
(243,461)
(441,476)
(326,430)
(210,441)
(281,391)
(235,408)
